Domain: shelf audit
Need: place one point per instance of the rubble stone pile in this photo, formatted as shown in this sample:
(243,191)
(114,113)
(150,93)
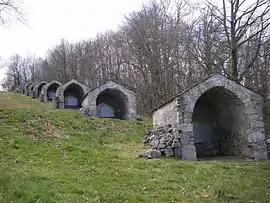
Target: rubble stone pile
(164,139)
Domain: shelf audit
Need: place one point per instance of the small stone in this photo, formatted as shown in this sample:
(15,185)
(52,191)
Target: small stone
(166,139)
(152,143)
(161,146)
(169,143)
(170,130)
(146,141)
(167,128)
(162,140)
(148,132)
(176,143)
(156,143)
(162,150)
(152,154)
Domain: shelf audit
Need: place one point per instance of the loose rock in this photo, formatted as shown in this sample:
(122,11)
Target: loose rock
(151,154)
(166,140)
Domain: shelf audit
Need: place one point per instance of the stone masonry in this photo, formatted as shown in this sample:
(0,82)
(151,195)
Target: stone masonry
(248,130)
(26,89)
(31,89)
(165,139)
(59,97)
(37,89)
(128,98)
(44,91)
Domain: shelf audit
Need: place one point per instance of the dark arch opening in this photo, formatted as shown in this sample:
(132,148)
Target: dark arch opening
(51,91)
(27,86)
(32,88)
(219,124)
(73,95)
(39,89)
(111,103)
(27,91)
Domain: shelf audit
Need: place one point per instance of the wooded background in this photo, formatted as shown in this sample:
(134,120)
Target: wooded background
(163,49)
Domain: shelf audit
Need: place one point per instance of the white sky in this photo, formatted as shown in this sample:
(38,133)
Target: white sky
(51,20)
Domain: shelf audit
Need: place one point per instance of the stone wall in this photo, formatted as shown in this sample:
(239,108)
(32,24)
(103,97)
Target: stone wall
(166,139)
(167,114)
(170,142)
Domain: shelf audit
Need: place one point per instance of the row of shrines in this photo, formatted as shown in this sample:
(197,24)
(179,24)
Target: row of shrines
(109,100)
(216,117)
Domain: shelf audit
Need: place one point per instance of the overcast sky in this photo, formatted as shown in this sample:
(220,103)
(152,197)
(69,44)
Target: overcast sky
(51,20)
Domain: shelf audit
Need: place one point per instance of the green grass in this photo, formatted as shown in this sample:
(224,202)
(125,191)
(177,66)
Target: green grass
(51,155)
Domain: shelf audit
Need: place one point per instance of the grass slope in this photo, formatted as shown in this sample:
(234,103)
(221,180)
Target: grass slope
(50,155)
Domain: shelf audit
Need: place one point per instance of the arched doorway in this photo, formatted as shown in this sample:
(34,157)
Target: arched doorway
(51,91)
(111,103)
(26,89)
(73,95)
(39,89)
(219,124)
(32,87)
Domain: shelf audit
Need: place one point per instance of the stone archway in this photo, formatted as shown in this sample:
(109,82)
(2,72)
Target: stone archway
(37,89)
(112,103)
(220,124)
(52,90)
(110,100)
(249,106)
(26,89)
(31,89)
(73,95)
(48,91)
(40,88)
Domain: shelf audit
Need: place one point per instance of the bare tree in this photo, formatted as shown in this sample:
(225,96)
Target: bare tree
(242,21)
(162,50)
(10,11)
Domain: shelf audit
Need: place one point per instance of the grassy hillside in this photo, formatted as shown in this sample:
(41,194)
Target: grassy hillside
(50,155)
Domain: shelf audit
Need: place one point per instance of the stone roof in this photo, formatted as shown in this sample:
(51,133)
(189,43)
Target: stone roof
(27,84)
(62,88)
(107,83)
(200,82)
(53,82)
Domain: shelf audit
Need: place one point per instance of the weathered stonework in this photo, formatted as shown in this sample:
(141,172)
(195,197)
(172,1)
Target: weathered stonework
(125,97)
(31,88)
(53,86)
(168,114)
(217,106)
(60,93)
(37,89)
(167,140)
(26,89)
